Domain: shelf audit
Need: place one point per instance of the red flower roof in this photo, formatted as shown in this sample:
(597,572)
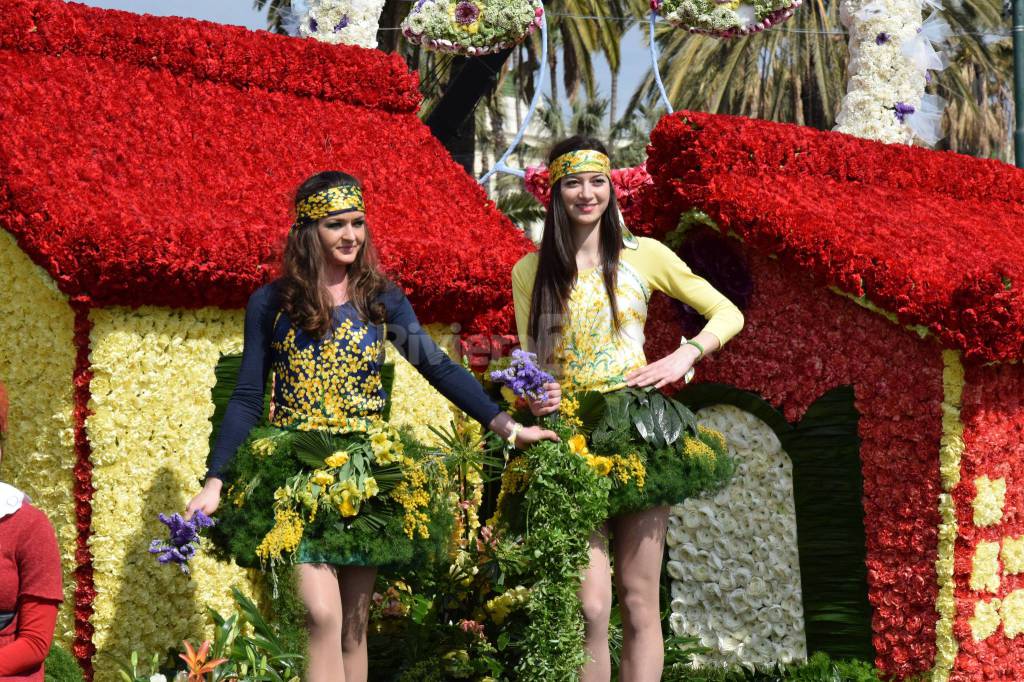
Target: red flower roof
(149,160)
(936,237)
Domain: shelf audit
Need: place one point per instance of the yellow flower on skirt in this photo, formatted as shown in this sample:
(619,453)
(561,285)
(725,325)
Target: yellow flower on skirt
(578,445)
(338,459)
(370,487)
(322,478)
(349,505)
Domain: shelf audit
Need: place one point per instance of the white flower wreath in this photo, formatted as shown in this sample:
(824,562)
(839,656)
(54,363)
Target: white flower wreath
(725,18)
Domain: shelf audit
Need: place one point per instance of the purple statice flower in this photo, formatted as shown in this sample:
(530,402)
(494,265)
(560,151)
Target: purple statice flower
(903,110)
(313,26)
(466,12)
(523,376)
(882,38)
(341,24)
(183,541)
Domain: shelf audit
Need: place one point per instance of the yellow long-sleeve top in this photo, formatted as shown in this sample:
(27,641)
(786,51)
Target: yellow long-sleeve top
(590,354)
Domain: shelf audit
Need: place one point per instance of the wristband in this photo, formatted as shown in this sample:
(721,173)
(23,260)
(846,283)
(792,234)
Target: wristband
(514,433)
(691,342)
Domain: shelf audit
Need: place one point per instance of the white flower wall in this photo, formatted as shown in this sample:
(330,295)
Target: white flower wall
(733,557)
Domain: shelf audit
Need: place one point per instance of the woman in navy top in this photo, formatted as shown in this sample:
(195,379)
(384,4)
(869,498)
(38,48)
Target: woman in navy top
(320,331)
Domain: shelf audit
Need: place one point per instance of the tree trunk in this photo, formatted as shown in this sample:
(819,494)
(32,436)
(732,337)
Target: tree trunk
(613,99)
(553,69)
(392,15)
(452,121)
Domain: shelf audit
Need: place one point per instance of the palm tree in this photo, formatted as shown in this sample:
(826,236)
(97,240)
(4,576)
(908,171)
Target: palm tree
(796,72)
(782,74)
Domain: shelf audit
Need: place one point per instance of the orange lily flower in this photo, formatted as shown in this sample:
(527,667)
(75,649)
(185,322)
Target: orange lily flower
(197,664)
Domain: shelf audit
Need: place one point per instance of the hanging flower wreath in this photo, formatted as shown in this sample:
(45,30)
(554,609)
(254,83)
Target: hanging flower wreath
(725,18)
(472,27)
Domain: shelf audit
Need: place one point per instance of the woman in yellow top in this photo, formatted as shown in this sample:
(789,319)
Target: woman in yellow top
(581,305)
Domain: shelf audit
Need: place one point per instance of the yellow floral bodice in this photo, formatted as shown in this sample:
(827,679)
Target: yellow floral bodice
(591,354)
(329,384)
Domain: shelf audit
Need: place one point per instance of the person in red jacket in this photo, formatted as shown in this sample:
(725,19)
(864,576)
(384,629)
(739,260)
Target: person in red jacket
(30,580)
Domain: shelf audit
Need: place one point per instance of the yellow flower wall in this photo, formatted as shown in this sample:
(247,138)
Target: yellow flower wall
(37,360)
(413,401)
(153,376)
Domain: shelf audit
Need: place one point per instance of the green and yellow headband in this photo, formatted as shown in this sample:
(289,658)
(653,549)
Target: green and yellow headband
(329,202)
(579,161)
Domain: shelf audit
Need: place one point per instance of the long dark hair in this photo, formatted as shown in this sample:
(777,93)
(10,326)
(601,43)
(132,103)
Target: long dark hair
(556,264)
(304,296)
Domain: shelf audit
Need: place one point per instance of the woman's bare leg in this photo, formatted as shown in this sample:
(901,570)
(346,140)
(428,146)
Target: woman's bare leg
(318,589)
(596,598)
(639,544)
(356,584)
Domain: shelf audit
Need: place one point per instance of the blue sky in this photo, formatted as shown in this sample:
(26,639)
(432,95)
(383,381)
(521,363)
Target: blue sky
(635,57)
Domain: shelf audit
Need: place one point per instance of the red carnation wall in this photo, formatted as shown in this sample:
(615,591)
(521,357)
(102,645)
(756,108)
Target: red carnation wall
(800,342)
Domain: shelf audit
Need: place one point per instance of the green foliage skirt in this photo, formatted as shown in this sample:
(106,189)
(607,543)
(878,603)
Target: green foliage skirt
(335,499)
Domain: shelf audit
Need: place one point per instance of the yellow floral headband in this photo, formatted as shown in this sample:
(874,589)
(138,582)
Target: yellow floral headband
(579,161)
(328,202)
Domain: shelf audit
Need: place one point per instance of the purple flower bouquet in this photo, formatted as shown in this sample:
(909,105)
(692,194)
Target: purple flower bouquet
(523,376)
(183,541)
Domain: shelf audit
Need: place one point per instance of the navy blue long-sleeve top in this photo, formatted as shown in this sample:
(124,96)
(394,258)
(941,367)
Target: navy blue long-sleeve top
(332,383)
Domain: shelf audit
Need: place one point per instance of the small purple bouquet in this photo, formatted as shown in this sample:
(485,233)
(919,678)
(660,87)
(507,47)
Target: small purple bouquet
(523,377)
(183,541)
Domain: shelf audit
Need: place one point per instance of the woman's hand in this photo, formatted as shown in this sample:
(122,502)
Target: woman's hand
(539,408)
(207,500)
(529,435)
(668,370)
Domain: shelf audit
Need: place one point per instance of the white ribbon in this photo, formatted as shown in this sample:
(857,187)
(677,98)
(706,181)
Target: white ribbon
(921,48)
(926,121)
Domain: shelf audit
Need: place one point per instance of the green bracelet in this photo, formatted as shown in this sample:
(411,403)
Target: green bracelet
(691,342)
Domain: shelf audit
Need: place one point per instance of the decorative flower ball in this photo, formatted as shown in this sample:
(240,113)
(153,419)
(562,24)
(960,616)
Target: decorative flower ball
(347,22)
(725,18)
(472,27)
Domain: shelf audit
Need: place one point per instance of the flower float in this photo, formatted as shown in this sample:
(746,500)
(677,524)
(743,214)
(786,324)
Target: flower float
(725,18)
(472,27)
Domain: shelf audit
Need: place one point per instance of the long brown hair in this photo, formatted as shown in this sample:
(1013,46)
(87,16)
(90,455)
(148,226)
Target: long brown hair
(556,263)
(304,296)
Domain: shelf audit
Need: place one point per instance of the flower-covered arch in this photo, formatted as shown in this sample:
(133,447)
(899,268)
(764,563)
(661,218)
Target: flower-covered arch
(905,311)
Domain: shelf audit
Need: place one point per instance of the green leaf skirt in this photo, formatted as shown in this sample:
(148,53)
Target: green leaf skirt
(374,537)
(680,459)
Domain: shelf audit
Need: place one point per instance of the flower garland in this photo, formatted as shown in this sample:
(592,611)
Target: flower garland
(472,27)
(951,451)
(84,647)
(840,343)
(890,56)
(736,592)
(152,372)
(725,19)
(210,115)
(955,266)
(37,361)
(342,22)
